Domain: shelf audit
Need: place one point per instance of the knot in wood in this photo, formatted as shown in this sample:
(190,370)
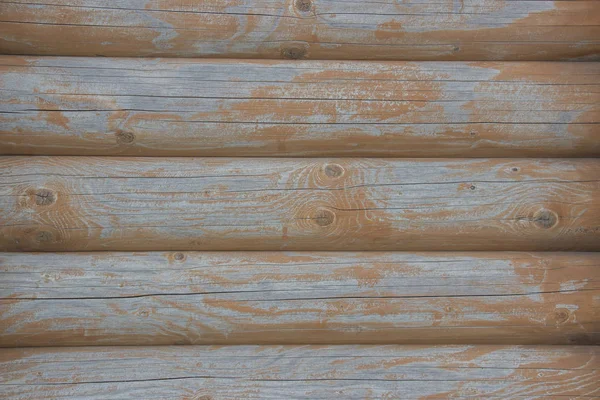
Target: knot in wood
(124,137)
(44,197)
(561,315)
(295,52)
(324,217)
(333,170)
(43,236)
(143,312)
(545,219)
(179,256)
(303,5)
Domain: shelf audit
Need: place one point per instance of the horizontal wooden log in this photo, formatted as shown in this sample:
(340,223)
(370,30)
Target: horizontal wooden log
(75,203)
(301,372)
(72,299)
(178,107)
(131,204)
(317,29)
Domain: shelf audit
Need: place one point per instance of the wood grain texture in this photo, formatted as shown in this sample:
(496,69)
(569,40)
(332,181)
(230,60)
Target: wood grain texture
(179,107)
(317,29)
(115,203)
(73,299)
(302,372)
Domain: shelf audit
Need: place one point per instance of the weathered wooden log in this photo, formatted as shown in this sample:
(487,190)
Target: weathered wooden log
(317,29)
(301,372)
(131,204)
(72,299)
(178,107)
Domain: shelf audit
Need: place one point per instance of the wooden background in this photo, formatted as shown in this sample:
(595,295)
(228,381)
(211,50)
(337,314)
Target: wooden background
(299,199)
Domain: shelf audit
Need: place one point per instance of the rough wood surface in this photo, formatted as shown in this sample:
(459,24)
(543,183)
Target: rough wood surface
(178,107)
(317,29)
(73,299)
(302,372)
(148,203)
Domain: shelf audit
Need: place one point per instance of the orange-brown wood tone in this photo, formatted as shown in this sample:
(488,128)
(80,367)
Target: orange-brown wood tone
(319,198)
(179,107)
(316,29)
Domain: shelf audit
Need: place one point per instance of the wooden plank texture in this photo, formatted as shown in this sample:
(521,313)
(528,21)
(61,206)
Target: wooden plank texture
(179,107)
(74,299)
(317,29)
(147,203)
(302,372)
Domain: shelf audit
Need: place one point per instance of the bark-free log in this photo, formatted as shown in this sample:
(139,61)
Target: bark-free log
(113,203)
(317,29)
(71,299)
(302,372)
(177,107)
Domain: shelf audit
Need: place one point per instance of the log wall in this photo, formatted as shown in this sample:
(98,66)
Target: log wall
(267,199)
